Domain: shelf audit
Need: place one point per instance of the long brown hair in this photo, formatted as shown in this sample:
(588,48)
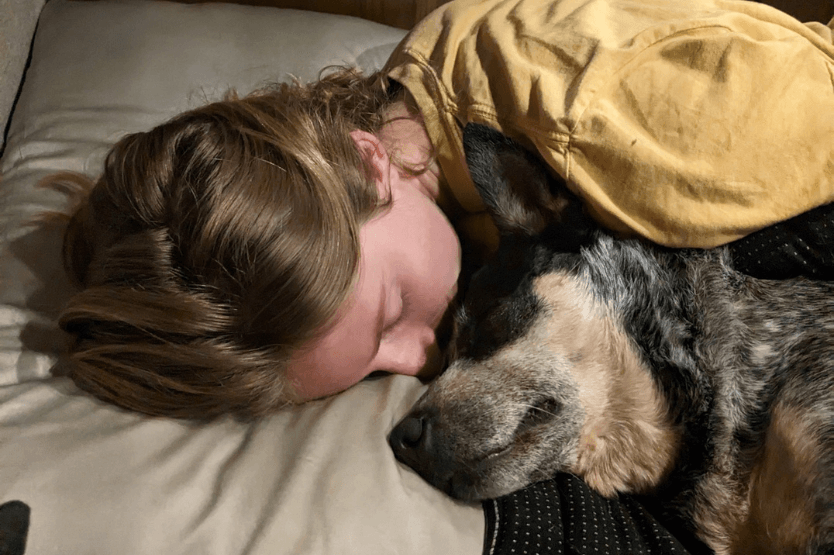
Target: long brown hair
(216,244)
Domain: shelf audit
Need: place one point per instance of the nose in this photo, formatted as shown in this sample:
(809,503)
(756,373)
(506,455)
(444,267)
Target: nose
(411,441)
(412,354)
(418,443)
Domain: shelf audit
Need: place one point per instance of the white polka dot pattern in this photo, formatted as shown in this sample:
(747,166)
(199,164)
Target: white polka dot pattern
(800,246)
(563,516)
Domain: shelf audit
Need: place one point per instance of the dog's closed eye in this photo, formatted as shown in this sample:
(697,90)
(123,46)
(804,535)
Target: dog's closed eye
(540,412)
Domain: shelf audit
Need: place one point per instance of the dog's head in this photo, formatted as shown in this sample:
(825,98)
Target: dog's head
(534,353)
(507,410)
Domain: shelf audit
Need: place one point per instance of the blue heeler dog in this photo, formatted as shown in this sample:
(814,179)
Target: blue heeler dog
(637,368)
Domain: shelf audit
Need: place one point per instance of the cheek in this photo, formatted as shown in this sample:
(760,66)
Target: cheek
(436,266)
(330,367)
(442,250)
(318,381)
(451,248)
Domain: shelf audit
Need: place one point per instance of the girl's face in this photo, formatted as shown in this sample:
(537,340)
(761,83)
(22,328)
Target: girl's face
(408,270)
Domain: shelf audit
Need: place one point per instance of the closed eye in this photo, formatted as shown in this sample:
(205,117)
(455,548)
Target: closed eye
(396,315)
(541,412)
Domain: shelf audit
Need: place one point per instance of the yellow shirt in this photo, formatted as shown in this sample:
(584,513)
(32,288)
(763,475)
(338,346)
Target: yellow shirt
(691,123)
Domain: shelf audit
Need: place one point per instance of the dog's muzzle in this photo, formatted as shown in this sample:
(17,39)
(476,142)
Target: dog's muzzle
(411,441)
(416,445)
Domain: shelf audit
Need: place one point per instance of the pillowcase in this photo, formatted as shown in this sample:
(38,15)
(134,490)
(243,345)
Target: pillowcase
(15,40)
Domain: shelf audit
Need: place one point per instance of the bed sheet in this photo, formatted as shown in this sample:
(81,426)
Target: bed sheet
(313,479)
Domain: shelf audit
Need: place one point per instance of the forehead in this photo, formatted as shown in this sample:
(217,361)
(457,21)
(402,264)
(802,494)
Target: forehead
(551,321)
(506,296)
(566,296)
(560,346)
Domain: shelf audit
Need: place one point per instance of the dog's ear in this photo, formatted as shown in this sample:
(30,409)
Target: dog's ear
(522,195)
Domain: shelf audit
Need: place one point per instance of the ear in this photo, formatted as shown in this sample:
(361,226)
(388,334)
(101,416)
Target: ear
(373,152)
(522,195)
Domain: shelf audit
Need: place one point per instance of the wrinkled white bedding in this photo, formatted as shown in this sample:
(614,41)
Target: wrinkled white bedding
(313,479)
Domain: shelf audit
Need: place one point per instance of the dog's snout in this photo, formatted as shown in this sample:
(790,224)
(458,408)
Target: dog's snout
(414,445)
(409,434)
(411,442)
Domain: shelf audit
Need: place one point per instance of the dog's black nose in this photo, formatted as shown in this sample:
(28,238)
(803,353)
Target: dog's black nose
(409,433)
(413,445)
(418,442)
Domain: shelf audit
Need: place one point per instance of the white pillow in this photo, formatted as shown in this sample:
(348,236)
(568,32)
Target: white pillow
(313,479)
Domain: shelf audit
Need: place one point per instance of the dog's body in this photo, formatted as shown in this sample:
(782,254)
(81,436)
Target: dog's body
(639,369)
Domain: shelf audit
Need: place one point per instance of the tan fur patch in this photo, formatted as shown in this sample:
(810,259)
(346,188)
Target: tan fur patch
(781,499)
(627,442)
